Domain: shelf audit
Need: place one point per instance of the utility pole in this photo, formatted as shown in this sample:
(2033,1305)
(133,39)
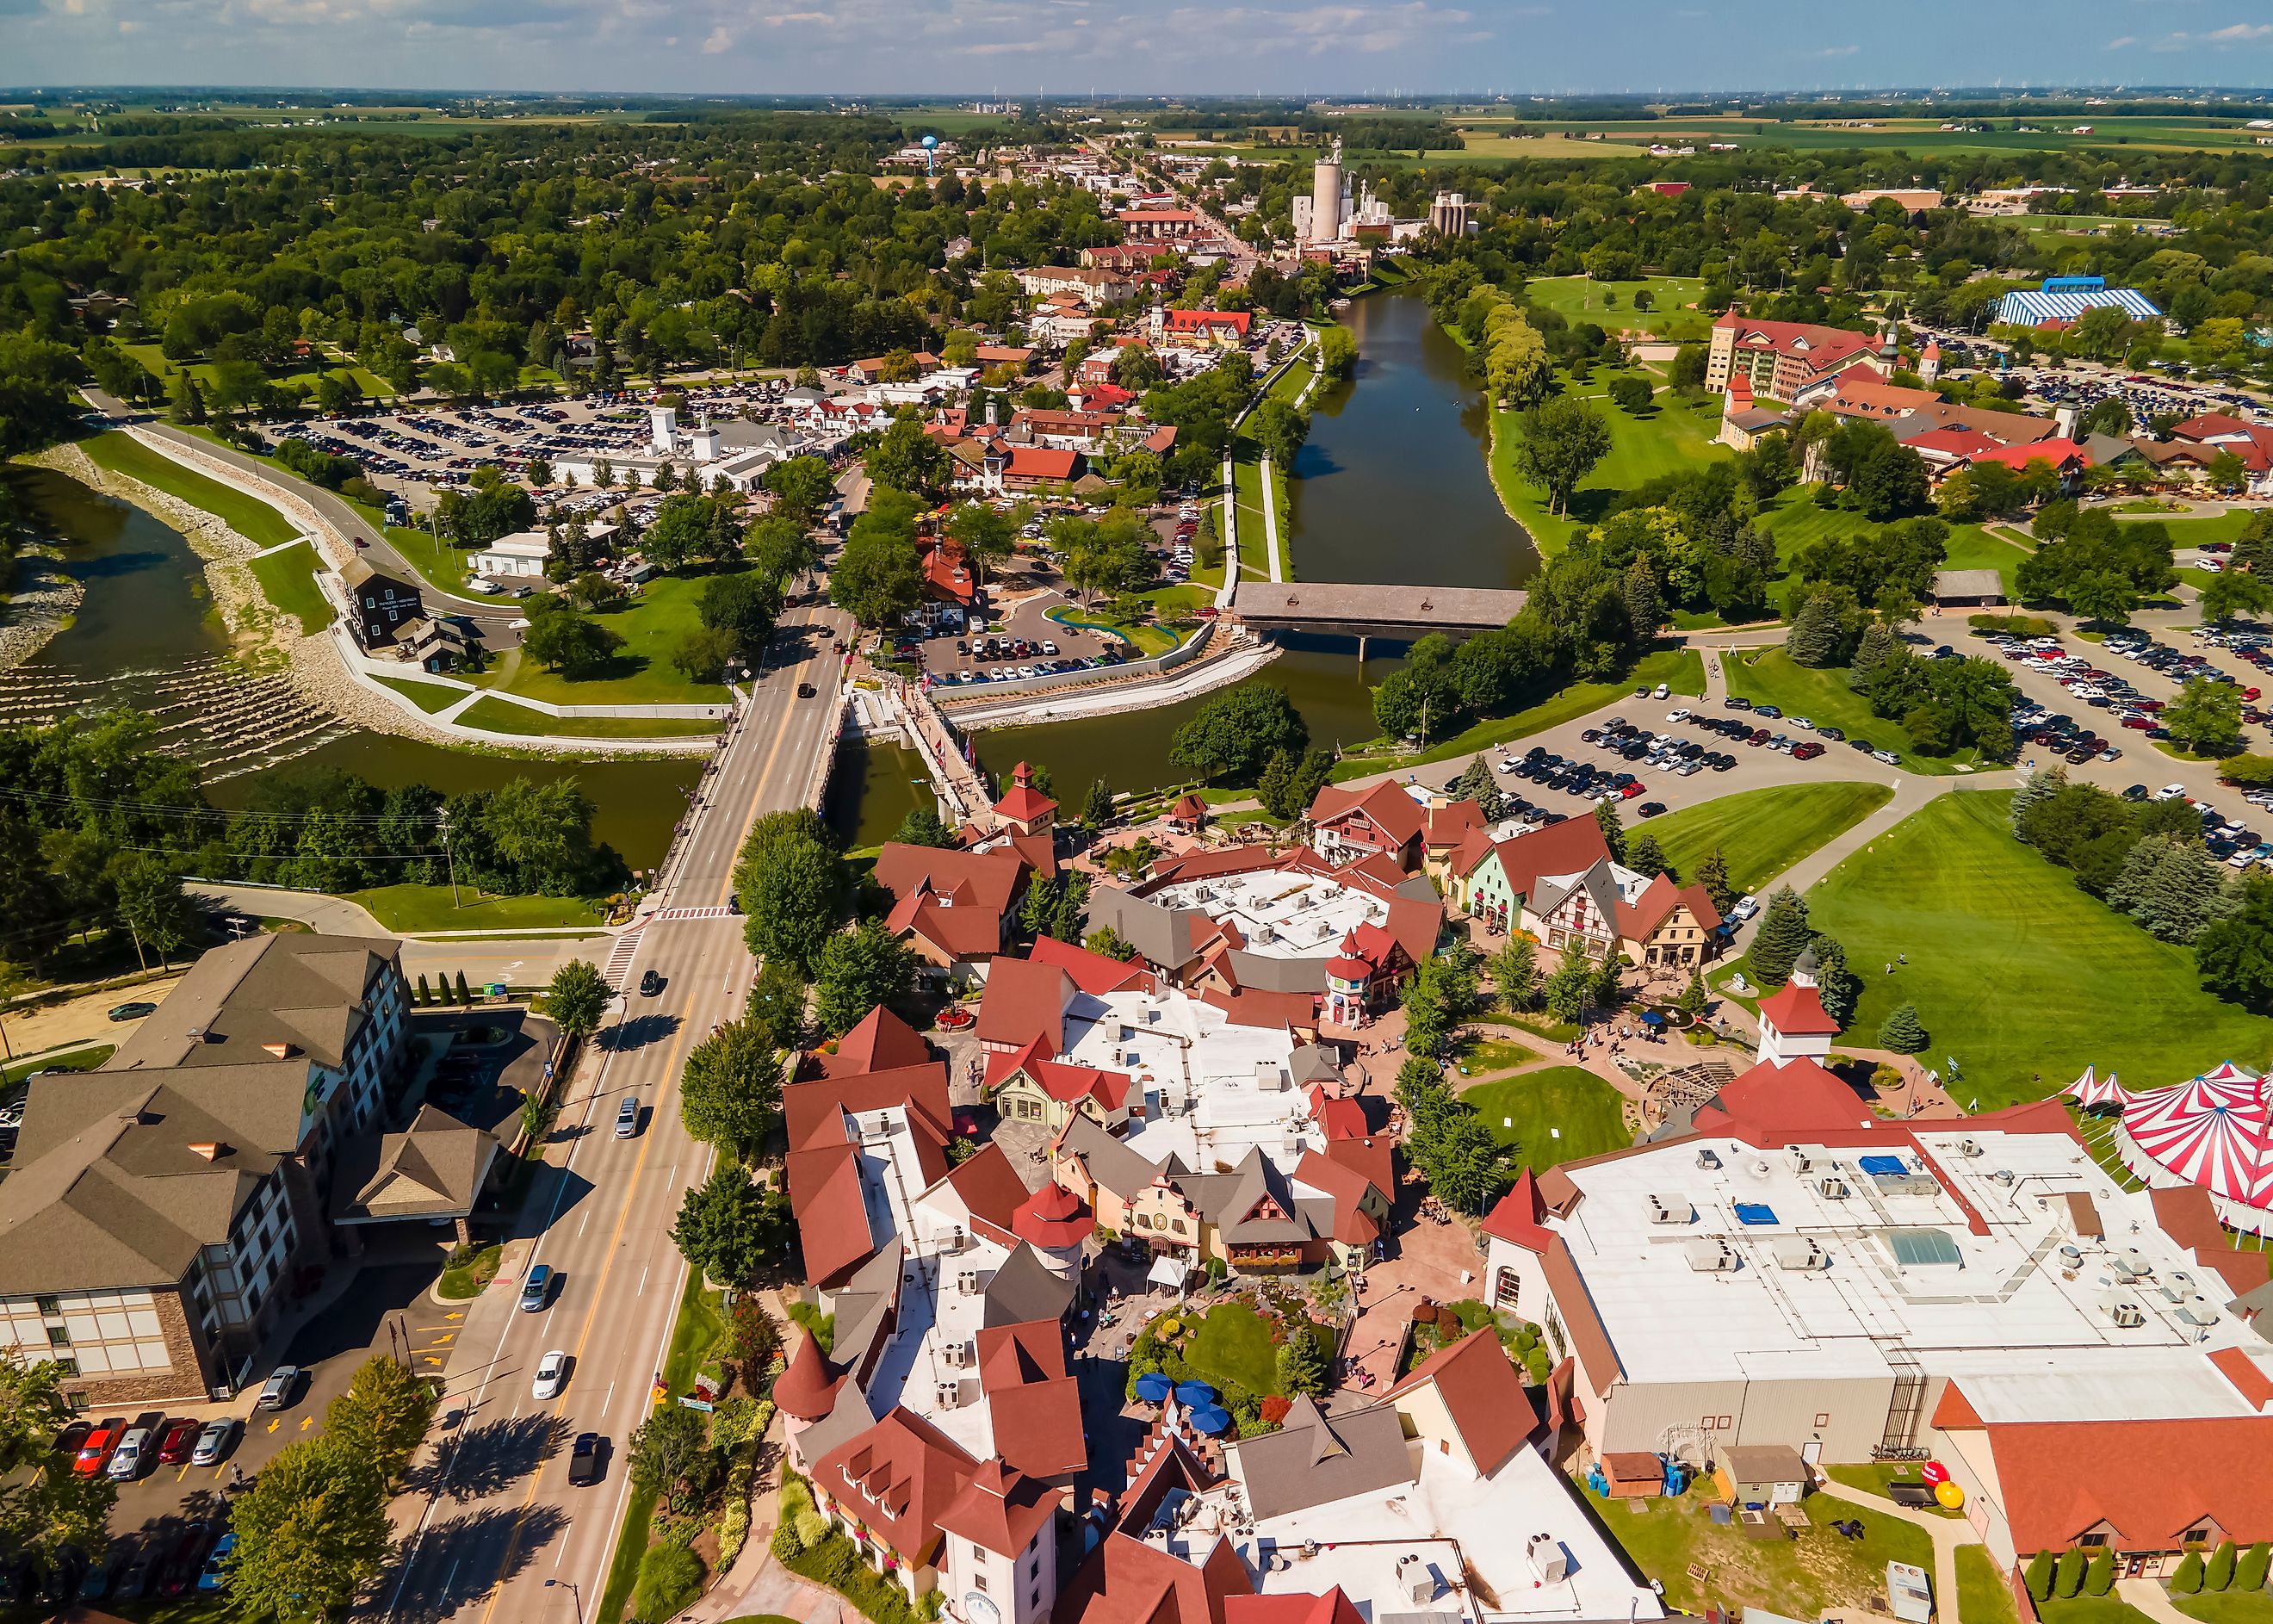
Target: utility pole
(442,823)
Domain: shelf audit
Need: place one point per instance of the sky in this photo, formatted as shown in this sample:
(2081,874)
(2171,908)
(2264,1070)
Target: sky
(1016,48)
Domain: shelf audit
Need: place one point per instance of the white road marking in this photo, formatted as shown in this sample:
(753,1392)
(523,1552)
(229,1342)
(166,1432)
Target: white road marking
(608,1401)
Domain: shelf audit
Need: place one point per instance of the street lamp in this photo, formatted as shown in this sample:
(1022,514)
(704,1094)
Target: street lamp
(577,1595)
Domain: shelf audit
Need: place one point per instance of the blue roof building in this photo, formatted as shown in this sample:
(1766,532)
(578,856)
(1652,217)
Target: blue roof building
(2066,299)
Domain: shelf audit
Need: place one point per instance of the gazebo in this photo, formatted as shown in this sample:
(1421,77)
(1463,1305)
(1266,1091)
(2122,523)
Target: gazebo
(2215,1131)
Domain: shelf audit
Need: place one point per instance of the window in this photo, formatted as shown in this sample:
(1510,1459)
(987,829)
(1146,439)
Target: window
(978,1580)
(51,1307)
(2092,1541)
(58,1337)
(2199,1534)
(1176,1226)
(69,1367)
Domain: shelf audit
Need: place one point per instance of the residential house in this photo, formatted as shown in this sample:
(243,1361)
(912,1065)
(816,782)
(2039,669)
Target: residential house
(1208,329)
(1092,284)
(1493,880)
(955,909)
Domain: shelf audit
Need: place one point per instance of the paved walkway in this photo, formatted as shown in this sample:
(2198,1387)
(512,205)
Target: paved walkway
(1271,546)
(2149,1596)
(1947,1534)
(1230,536)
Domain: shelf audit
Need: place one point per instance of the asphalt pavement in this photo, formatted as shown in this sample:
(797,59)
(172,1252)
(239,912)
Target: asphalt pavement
(500,1518)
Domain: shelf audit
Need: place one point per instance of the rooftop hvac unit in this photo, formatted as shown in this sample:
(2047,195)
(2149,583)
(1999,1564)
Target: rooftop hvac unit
(1550,1562)
(1833,1189)
(2131,1264)
(1760,1168)
(1205,893)
(1417,1580)
(1670,1209)
(967,1282)
(2198,1310)
(1800,1162)
(1709,1159)
(2123,1312)
(963,1355)
(1801,1254)
(2177,1286)
(957,1240)
(950,1394)
(1713,1256)
(1969,1148)
(2003,1177)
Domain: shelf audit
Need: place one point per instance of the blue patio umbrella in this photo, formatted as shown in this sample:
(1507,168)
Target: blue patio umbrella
(1209,1419)
(1195,1392)
(1153,1388)
(1651,1017)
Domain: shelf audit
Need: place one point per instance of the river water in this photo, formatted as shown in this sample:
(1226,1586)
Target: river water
(1392,485)
(144,638)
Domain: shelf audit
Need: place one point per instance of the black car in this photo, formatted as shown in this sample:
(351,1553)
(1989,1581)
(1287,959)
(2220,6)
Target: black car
(1651,809)
(587,1460)
(650,984)
(1734,703)
(806,690)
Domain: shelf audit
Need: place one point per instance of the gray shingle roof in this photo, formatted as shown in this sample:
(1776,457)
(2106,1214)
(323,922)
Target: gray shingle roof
(1311,1460)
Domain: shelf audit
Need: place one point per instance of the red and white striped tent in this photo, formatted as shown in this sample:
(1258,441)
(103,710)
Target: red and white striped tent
(2093,1093)
(2216,1130)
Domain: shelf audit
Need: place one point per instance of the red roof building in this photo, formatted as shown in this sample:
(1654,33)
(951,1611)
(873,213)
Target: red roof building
(1024,810)
(1093,972)
(1481,1397)
(1780,359)
(955,908)
(1379,820)
(1034,1405)
(1031,467)
(1024,1000)
(888,1487)
(881,1041)
(1054,1219)
(1794,1024)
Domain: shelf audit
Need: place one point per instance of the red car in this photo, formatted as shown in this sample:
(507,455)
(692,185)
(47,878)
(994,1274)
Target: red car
(1629,791)
(101,1444)
(1806,752)
(178,1440)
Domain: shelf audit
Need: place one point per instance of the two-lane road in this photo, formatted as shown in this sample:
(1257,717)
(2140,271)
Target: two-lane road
(504,1519)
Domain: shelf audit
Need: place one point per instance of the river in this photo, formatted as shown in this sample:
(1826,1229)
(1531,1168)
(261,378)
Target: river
(1392,485)
(143,638)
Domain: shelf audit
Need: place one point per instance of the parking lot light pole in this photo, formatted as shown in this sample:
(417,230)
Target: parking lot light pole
(577,1595)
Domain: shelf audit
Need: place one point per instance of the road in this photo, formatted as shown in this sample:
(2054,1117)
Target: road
(503,1520)
(495,620)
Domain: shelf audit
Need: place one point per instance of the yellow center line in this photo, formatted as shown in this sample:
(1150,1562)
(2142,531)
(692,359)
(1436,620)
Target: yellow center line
(623,1217)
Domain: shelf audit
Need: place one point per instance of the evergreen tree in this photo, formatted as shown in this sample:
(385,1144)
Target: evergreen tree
(1300,1369)
(1097,809)
(1902,1031)
(2250,1572)
(1644,857)
(2039,785)
(2218,1573)
(1877,644)
(922,827)
(464,996)
(2189,1579)
(1278,788)
(1475,784)
(1713,874)
(1568,988)
(1814,636)
(1693,996)
(1515,973)
(1644,607)
(2039,1576)
(2099,1573)
(1614,829)
(1783,934)
(2067,1572)
(1607,991)
(425,995)
(1835,983)
(2186,891)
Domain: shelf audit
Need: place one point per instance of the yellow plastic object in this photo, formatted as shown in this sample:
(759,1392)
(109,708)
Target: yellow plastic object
(1949,1494)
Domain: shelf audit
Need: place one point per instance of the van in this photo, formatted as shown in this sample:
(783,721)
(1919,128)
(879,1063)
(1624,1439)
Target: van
(276,1392)
(535,1288)
(627,1118)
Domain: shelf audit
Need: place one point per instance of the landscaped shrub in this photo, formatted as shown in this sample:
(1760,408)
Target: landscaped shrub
(2069,1577)
(2249,1573)
(2099,1573)
(2188,1579)
(2039,1575)
(831,1561)
(2218,1573)
(670,1579)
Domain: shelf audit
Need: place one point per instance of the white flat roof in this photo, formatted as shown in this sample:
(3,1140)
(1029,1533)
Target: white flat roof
(2025,1305)
(1454,1525)
(1223,1089)
(1281,915)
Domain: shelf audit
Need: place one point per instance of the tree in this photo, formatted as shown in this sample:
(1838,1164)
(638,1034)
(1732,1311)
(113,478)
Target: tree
(701,653)
(1693,996)
(1236,730)
(188,402)
(670,1580)
(2218,1573)
(1096,806)
(878,577)
(2187,1581)
(2206,717)
(1107,941)
(905,458)
(753,1342)
(730,1093)
(1613,827)
(2236,592)
(791,885)
(1465,1165)
(2039,1575)
(745,606)
(2099,1572)
(668,1456)
(1568,988)
(1902,1031)
(724,1229)
(859,970)
(573,644)
(922,827)
(1560,442)
(2105,596)
(465,998)
(987,538)
(2234,955)
(382,1417)
(150,902)
(2250,1572)
(776,1006)
(1817,632)
(1301,1371)
(801,487)
(576,997)
(1630,394)
(1280,430)
(1835,985)
(1515,973)
(1643,855)
(1783,934)
(1713,874)
(44,1505)
(2067,1572)
(311,1532)
(1441,995)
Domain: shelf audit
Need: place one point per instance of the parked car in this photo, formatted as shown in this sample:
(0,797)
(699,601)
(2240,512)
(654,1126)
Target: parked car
(135,1456)
(215,1440)
(1744,908)
(276,1392)
(184,1558)
(131,1012)
(178,1440)
(214,1575)
(94,1454)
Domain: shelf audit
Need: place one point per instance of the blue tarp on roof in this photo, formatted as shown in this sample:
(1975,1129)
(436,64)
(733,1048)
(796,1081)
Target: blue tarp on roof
(1884,1167)
(1755,1212)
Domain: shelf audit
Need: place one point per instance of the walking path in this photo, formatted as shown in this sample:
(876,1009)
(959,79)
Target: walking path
(1947,1534)
(2149,1596)
(1270,521)
(1230,536)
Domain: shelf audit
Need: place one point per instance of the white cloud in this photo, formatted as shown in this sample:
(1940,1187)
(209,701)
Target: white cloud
(2128,38)
(719,41)
(1839,50)
(2244,31)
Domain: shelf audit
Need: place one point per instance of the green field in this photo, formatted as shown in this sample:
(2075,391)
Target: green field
(2233,1606)
(1581,298)
(1796,523)
(86,1057)
(2227,526)
(2022,977)
(501,716)
(288,579)
(1681,670)
(1672,435)
(1762,832)
(428,696)
(1771,677)
(641,673)
(1555,1115)
(249,517)
(429,908)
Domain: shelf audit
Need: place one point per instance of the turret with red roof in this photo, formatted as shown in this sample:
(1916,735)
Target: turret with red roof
(1025,810)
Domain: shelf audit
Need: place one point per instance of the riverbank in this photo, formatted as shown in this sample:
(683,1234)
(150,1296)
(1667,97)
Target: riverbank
(261,636)
(39,601)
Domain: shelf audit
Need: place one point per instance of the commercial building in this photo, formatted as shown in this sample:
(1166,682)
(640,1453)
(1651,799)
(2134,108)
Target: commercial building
(1778,359)
(2066,298)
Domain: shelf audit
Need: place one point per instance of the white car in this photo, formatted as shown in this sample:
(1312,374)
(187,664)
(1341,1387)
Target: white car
(2170,792)
(552,1375)
(1661,692)
(1677,716)
(1746,908)
(127,1462)
(487,589)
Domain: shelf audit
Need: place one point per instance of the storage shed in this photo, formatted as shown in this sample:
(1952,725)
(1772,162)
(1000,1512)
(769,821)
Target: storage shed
(1633,1474)
(1763,1475)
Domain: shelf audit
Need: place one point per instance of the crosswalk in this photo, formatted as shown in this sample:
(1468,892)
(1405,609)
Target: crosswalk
(670,914)
(621,956)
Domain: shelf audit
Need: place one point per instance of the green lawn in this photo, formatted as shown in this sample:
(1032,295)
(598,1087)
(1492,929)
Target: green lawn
(501,716)
(2108,1609)
(84,1059)
(1558,1114)
(1481,1055)
(250,517)
(1681,670)
(2227,526)
(1982,1596)
(153,361)
(2022,977)
(1762,833)
(1230,1343)
(466,1279)
(651,626)
(428,908)
(1875,1477)
(1581,298)
(2234,1607)
(287,581)
(1771,677)
(1672,435)
(1818,1573)
(701,1326)
(428,696)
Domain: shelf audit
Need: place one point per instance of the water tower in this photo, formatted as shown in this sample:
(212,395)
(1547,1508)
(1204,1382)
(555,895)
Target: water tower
(931,155)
